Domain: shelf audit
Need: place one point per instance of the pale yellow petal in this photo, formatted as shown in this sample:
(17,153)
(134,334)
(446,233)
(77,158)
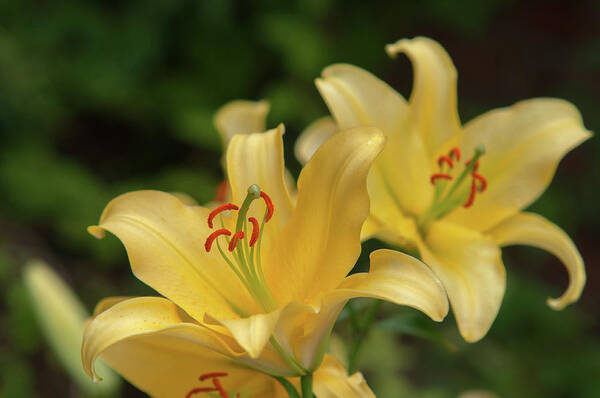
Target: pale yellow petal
(524,144)
(164,322)
(258,159)
(241,117)
(253,332)
(433,109)
(400,279)
(534,230)
(357,98)
(313,137)
(164,240)
(470,267)
(321,242)
(331,380)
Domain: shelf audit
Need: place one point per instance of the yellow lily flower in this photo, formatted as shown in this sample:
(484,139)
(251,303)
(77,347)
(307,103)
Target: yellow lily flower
(175,365)
(259,284)
(425,193)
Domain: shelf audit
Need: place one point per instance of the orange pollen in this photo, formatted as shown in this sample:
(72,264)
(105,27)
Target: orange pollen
(482,181)
(220,388)
(234,241)
(471,197)
(221,193)
(212,375)
(455,152)
(445,159)
(255,230)
(211,238)
(269,205)
(222,208)
(437,176)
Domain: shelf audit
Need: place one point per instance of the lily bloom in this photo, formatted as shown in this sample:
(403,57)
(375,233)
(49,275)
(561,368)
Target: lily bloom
(160,360)
(456,193)
(259,281)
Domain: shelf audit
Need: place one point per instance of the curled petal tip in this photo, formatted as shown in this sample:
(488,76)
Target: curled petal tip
(96,231)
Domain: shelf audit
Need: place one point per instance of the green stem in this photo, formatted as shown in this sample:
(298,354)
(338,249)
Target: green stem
(289,387)
(361,334)
(292,363)
(306,382)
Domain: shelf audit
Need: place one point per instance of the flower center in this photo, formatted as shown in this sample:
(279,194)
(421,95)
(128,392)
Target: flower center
(217,387)
(243,252)
(448,183)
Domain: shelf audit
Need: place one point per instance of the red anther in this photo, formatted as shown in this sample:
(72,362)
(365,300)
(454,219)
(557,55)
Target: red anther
(445,159)
(455,152)
(211,238)
(437,176)
(199,390)
(234,241)
(471,197)
(213,214)
(482,181)
(476,165)
(221,193)
(212,375)
(220,388)
(255,230)
(269,204)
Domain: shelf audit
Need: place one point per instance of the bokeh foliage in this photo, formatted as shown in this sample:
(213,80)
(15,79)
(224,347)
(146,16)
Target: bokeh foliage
(102,97)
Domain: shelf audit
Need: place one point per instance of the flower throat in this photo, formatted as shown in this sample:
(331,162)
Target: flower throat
(448,195)
(244,254)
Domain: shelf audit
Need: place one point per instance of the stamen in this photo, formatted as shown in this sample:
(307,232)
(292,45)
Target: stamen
(437,176)
(220,388)
(482,181)
(211,238)
(269,205)
(235,239)
(255,230)
(455,152)
(471,197)
(445,159)
(221,192)
(222,208)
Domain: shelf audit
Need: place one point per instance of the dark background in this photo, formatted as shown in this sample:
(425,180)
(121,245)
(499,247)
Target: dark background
(102,97)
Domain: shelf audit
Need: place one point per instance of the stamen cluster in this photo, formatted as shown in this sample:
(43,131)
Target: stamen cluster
(245,257)
(217,386)
(448,197)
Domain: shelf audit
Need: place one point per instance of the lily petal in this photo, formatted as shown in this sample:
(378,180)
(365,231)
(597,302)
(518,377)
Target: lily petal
(433,107)
(165,325)
(534,230)
(331,380)
(401,279)
(470,267)
(163,238)
(258,159)
(321,242)
(253,332)
(524,144)
(313,137)
(241,117)
(357,98)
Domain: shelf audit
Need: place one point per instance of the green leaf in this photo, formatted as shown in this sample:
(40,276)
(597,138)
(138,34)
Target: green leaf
(414,324)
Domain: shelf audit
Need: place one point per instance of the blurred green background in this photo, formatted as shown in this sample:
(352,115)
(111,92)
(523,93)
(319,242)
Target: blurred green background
(102,97)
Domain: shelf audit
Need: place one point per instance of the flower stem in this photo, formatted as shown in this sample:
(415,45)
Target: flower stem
(361,332)
(306,383)
(289,387)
